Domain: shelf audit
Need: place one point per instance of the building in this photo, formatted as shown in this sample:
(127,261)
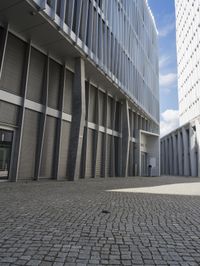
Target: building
(188,58)
(180,150)
(79,92)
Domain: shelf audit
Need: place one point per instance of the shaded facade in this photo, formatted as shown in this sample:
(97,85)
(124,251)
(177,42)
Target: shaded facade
(78,89)
(180,153)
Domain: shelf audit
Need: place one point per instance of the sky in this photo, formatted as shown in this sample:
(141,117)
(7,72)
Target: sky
(164,14)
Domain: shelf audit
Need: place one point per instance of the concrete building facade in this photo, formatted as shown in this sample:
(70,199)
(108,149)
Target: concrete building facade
(180,150)
(79,92)
(188,58)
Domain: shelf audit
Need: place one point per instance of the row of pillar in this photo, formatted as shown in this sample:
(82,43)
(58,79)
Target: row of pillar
(179,153)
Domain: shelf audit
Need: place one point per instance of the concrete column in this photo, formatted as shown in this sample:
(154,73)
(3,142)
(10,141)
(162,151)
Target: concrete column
(186,166)
(194,156)
(96,137)
(166,157)
(125,138)
(60,124)
(136,125)
(85,133)
(17,155)
(137,148)
(78,120)
(113,139)
(3,45)
(175,161)
(43,119)
(162,156)
(198,145)
(104,172)
(170,155)
(180,154)
(119,163)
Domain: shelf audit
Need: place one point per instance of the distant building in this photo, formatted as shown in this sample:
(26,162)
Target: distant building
(180,150)
(79,92)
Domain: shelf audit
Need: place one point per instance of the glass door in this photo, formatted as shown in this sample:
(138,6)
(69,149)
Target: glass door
(6,138)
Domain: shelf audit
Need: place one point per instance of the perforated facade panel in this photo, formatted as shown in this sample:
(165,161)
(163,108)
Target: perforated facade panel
(90,154)
(11,79)
(99,161)
(92,104)
(68,92)
(9,113)
(29,145)
(36,82)
(64,150)
(54,84)
(48,155)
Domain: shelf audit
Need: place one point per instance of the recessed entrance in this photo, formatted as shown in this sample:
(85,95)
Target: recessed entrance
(6,139)
(143,163)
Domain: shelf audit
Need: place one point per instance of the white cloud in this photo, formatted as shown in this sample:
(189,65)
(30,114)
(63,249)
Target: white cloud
(163,61)
(167,29)
(169,121)
(168,80)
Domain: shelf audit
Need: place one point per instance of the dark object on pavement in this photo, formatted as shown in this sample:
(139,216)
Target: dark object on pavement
(105,211)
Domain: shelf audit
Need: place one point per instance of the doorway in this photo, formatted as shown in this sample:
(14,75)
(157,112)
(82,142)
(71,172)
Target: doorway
(143,163)
(6,140)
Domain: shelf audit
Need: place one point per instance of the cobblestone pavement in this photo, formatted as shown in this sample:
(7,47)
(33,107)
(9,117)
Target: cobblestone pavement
(81,223)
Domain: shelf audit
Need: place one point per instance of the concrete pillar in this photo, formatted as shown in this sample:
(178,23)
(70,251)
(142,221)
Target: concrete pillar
(3,44)
(170,155)
(163,158)
(43,119)
(85,133)
(180,154)
(119,161)
(17,155)
(166,157)
(96,137)
(193,152)
(198,145)
(186,166)
(113,139)
(137,147)
(78,120)
(60,125)
(104,172)
(175,161)
(125,138)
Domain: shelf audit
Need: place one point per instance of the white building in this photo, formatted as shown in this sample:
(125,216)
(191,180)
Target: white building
(79,92)
(180,150)
(188,58)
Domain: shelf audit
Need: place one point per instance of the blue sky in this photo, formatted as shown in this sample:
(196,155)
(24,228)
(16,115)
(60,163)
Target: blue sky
(164,13)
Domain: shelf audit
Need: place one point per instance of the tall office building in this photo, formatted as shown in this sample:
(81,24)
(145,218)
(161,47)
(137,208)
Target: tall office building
(180,150)
(79,92)
(188,58)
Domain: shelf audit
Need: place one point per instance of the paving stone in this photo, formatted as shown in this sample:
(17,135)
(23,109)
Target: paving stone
(62,223)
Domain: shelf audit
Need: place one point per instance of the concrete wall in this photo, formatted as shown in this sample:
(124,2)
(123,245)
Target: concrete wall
(180,151)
